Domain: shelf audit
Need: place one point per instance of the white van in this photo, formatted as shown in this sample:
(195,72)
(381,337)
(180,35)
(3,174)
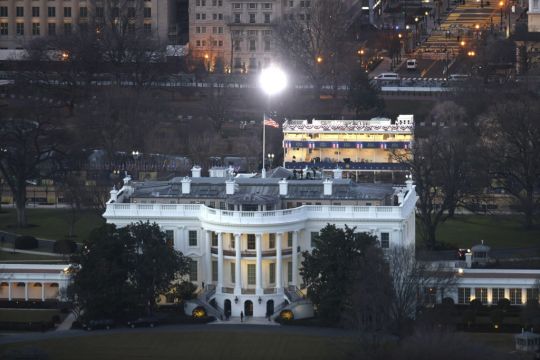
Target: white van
(411,64)
(387,76)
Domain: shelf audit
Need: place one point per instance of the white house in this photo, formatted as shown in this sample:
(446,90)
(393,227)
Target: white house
(246,234)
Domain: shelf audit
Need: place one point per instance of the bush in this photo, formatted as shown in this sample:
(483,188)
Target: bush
(469,317)
(497,317)
(504,304)
(26,242)
(65,246)
(476,305)
(55,319)
(447,301)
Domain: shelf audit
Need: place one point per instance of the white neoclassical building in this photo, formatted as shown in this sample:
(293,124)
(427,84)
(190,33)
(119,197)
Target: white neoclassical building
(246,234)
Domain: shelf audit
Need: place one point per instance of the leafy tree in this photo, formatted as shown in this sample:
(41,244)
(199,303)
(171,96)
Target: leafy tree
(184,290)
(363,95)
(329,269)
(124,270)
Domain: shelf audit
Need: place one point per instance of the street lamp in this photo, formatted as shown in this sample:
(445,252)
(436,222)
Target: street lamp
(271,159)
(272,81)
(501,5)
(319,59)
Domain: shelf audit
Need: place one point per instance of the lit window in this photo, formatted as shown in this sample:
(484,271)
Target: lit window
(464,295)
(515,297)
(481,294)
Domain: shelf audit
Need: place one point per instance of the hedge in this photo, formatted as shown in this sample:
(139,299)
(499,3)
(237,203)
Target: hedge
(26,242)
(65,246)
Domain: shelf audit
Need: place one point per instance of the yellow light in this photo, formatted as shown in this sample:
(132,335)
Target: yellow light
(319,59)
(361,52)
(501,3)
(399,36)
(416,19)
(462,43)
(496,326)
(477,26)
(460,271)
(426,13)
(206,56)
(65,55)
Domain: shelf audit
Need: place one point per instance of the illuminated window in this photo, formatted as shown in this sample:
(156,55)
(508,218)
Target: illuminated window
(464,295)
(481,294)
(496,295)
(515,297)
(251,274)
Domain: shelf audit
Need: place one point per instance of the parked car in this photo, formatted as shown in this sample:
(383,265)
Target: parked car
(145,321)
(387,76)
(99,324)
(411,64)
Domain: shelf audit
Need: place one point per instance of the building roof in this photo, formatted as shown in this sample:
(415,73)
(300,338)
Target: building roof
(264,190)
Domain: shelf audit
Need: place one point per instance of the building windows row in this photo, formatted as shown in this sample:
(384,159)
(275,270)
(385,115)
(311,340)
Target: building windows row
(203,2)
(252,18)
(203,43)
(497,294)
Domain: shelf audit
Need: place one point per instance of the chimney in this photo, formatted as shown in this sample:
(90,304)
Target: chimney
(283,187)
(327,185)
(186,185)
(338,173)
(229,186)
(468,260)
(196,171)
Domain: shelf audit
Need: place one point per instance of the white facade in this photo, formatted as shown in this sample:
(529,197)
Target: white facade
(262,273)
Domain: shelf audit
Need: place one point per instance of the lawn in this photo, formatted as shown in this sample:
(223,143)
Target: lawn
(51,223)
(9,256)
(497,231)
(28,315)
(502,342)
(195,345)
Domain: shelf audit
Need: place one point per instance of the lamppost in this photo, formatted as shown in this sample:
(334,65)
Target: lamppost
(136,154)
(271,159)
(416,31)
(272,81)
(501,5)
(361,53)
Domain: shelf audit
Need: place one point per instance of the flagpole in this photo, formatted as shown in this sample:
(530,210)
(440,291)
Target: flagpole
(263,171)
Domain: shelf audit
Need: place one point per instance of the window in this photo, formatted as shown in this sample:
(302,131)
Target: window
(233,243)
(192,238)
(35,11)
(289,271)
(19,29)
(515,297)
(481,294)
(385,240)
(267,18)
(267,6)
(237,18)
(272,273)
(67,28)
(131,12)
(3,29)
(237,47)
(464,295)
(51,11)
(35,28)
(3,11)
(169,237)
(147,12)
(289,238)
(267,46)
(251,241)
(193,267)
(100,12)
(272,241)
(252,46)
(314,238)
(67,12)
(291,3)
(214,270)
(147,28)
(214,239)
(19,11)
(251,274)
(130,28)
(252,5)
(237,6)
(222,205)
(83,11)
(496,295)
(532,295)
(430,295)
(252,18)
(233,272)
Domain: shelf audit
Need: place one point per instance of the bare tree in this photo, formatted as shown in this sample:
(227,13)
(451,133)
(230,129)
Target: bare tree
(511,136)
(32,144)
(411,279)
(312,40)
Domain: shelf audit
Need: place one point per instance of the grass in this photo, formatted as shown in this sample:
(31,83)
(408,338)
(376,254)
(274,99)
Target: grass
(195,345)
(497,231)
(502,342)
(9,256)
(51,223)
(28,315)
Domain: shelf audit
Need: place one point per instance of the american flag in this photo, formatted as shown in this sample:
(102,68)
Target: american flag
(335,145)
(311,145)
(358,145)
(268,121)
(383,146)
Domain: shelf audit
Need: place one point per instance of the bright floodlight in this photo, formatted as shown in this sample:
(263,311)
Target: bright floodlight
(272,80)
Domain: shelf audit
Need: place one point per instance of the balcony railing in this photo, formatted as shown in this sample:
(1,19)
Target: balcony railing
(251,253)
(362,166)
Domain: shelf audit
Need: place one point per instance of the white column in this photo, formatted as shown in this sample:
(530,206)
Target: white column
(279,237)
(258,268)
(208,258)
(238,265)
(26,291)
(294,258)
(220,263)
(42,291)
(9,291)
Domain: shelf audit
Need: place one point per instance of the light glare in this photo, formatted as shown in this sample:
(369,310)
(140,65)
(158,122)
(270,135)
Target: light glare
(272,80)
